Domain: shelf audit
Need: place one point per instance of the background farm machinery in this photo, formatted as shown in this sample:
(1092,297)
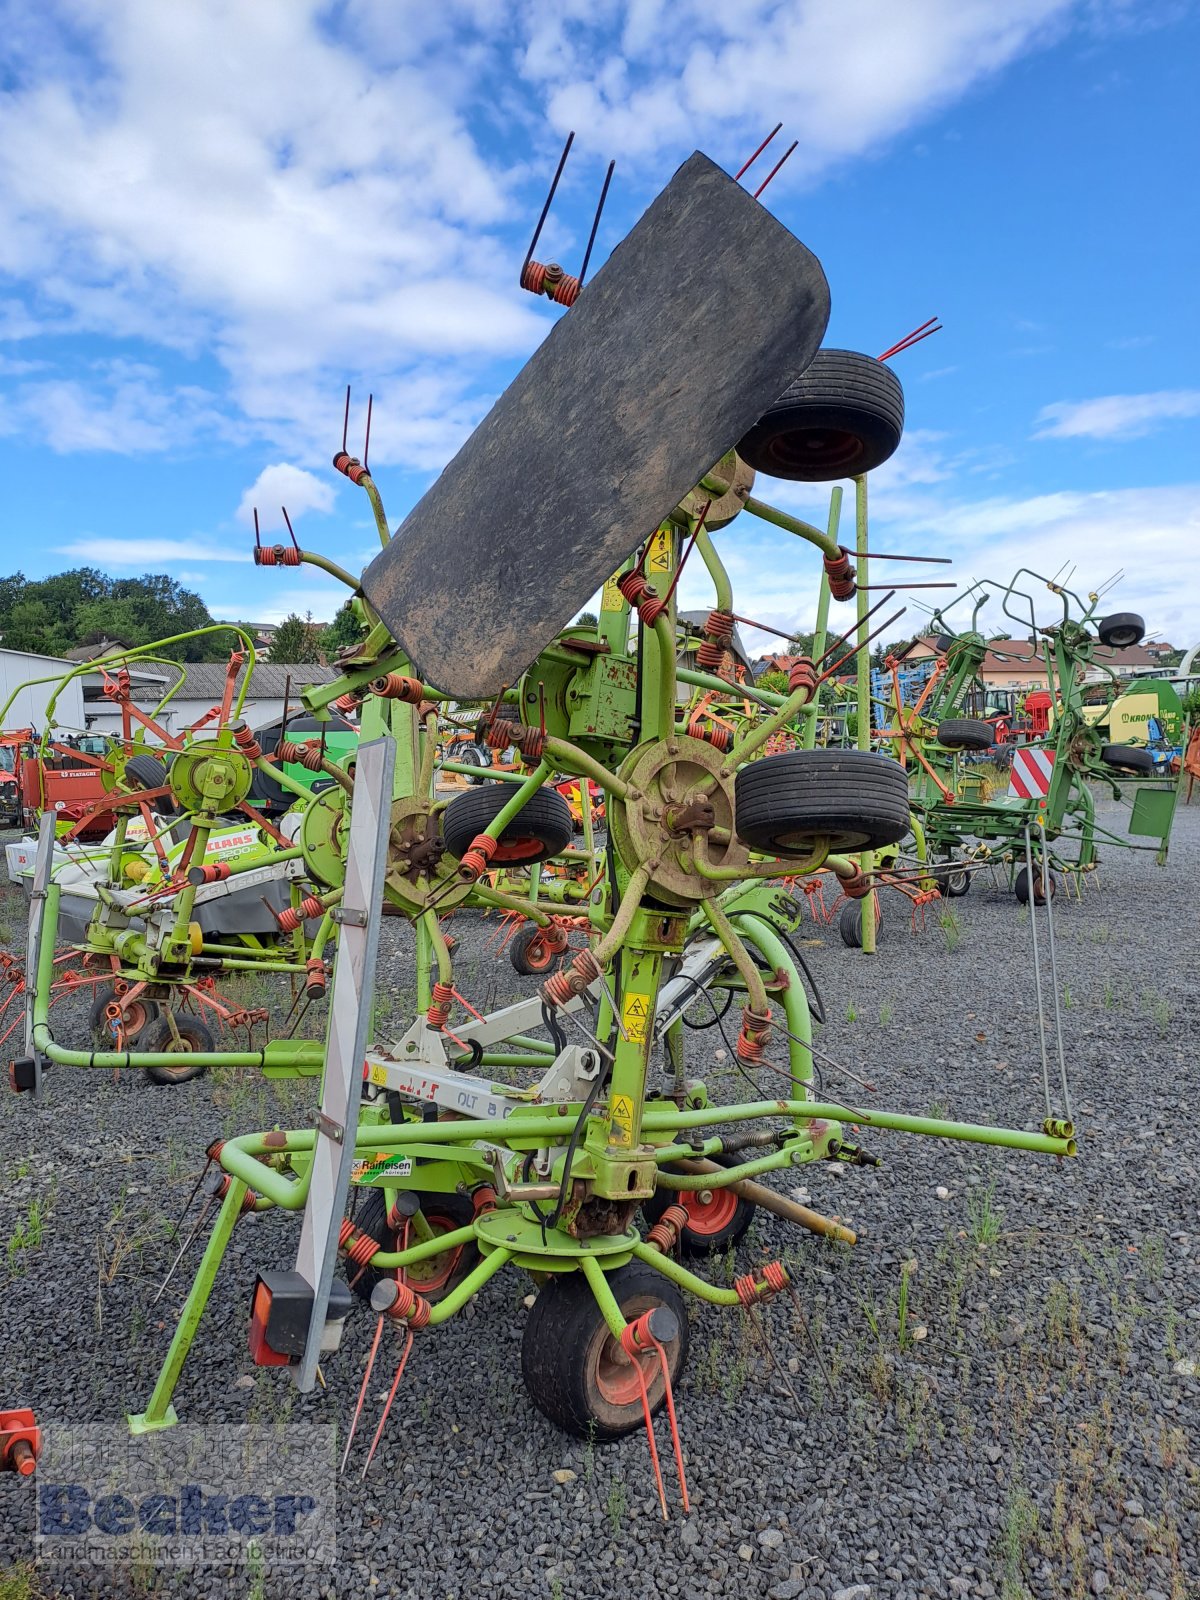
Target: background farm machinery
(1046,822)
(537,1134)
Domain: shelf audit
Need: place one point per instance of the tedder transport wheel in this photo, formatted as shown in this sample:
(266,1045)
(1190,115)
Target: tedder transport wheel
(468,754)
(529,953)
(541,829)
(843,415)
(717,1218)
(1128,758)
(137,1017)
(148,772)
(194,1038)
(577,1374)
(434,1278)
(953,880)
(1040,876)
(965,733)
(1122,629)
(855,798)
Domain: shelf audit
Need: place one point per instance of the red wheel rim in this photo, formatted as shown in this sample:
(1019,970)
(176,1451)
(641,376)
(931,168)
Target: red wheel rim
(616,1375)
(537,956)
(438,1270)
(707,1218)
(518,849)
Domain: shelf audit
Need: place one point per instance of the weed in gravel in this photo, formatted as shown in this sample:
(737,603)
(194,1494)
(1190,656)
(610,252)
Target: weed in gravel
(983,1219)
(125,1236)
(618,1500)
(255,1571)
(1016,1539)
(1067,1001)
(907,1268)
(952,931)
(885,1014)
(556,1589)
(589,1453)
(939,1110)
(851,1011)
(26,1236)
(20,1583)
(1158,1008)
(1110,994)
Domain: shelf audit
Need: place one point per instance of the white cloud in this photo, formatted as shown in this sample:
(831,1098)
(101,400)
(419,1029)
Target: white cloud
(309,200)
(283,486)
(142,555)
(1116,416)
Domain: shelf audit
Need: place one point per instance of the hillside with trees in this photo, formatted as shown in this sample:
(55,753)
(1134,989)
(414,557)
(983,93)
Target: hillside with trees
(53,615)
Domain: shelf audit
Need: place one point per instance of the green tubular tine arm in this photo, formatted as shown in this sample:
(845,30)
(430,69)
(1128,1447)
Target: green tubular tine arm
(664,634)
(685,1279)
(564,751)
(390,1260)
(739,955)
(691,1182)
(716,571)
(794,998)
(744,691)
(471,1284)
(803,530)
(512,806)
(821,631)
(610,1310)
(159,1412)
(441,950)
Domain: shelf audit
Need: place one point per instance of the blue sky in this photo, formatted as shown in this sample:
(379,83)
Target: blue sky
(214,216)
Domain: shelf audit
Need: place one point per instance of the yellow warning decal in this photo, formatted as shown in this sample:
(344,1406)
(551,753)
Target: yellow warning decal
(622,1120)
(661,550)
(378,1073)
(635,1015)
(611,598)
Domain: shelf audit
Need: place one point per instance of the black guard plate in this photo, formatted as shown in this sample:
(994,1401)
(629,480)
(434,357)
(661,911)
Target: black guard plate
(602,433)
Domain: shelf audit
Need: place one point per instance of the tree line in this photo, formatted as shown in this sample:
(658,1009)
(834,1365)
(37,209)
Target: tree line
(49,616)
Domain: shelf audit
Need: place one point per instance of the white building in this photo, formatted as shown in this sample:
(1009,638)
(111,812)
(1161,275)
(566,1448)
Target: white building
(27,709)
(202,689)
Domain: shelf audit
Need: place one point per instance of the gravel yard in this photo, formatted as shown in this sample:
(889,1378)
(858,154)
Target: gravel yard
(1014,1343)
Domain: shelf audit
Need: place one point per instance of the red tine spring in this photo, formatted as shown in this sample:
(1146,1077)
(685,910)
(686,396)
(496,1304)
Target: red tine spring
(642,594)
(533,276)
(750,1291)
(752,1040)
(347,702)
(664,1235)
(720,738)
(396,686)
(476,860)
(315,982)
(246,742)
(439,1009)
(359,1247)
(802,674)
(856,888)
(291,919)
(276,555)
(840,572)
(564,986)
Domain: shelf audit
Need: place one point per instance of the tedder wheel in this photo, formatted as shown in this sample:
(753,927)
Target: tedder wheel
(148,772)
(1122,629)
(194,1038)
(541,829)
(714,1223)
(850,924)
(137,1018)
(1040,878)
(965,733)
(1127,758)
(855,798)
(953,880)
(435,1277)
(843,415)
(577,1374)
(529,953)
(469,754)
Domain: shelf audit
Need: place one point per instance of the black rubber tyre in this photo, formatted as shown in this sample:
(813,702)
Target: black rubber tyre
(1040,877)
(435,1278)
(717,1224)
(148,772)
(1128,758)
(468,754)
(541,829)
(965,733)
(953,880)
(850,924)
(1122,629)
(528,954)
(856,798)
(576,1373)
(138,1018)
(843,415)
(194,1038)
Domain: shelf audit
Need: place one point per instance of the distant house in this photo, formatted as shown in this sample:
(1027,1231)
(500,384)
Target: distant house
(1016,664)
(93,652)
(202,689)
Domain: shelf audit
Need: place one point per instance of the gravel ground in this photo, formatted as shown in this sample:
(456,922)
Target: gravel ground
(1027,1424)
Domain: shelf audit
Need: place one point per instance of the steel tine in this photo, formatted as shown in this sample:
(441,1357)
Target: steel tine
(387,1406)
(362,1394)
(183,1248)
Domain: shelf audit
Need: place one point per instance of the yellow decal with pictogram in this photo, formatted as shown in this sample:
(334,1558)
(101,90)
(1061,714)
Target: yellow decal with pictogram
(635,1016)
(621,1117)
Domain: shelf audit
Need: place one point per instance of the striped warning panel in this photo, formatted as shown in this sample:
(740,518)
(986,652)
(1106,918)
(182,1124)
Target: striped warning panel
(1032,770)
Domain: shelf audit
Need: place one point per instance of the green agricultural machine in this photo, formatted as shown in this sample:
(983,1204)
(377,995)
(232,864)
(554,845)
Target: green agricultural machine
(562,1134)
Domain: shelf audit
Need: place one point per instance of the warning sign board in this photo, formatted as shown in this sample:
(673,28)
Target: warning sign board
(635,1016)
(659,557)
(621,1117)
